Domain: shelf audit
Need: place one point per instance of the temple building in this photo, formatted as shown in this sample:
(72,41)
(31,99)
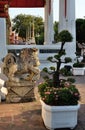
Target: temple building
(66,22)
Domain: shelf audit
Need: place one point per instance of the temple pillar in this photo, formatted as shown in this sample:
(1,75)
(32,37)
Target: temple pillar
(67,21)
(48,27)
(3,50)
(67,16)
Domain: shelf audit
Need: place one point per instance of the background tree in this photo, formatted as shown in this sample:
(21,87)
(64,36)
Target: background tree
(22,22)
(55,31)
(80,30)
(39,30)
(80,34)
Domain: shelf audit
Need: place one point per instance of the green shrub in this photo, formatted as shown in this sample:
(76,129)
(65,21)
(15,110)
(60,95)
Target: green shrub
(78,64)
(68,95)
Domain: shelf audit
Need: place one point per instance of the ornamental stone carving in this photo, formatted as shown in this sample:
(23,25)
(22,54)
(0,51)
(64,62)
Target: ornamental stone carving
(22,72)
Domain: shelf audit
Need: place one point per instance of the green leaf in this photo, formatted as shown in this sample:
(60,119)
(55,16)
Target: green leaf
(52,68)
(65,36)
(68,59)
(45,69)
(57,56)
(50,58)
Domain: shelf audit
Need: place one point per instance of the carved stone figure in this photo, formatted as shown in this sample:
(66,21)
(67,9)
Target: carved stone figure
(22,72)
(23,67)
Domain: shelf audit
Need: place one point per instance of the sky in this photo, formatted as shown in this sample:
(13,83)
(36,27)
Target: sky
(79,10)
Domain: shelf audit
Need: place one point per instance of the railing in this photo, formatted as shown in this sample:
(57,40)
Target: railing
(44,51)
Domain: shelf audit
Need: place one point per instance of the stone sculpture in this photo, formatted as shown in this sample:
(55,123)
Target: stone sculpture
(23,67)
(22,72)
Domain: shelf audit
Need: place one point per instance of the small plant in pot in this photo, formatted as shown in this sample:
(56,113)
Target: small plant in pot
(78,68)
(59,93)
(78,64)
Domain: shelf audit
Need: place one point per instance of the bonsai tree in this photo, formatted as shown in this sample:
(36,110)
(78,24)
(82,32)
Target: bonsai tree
(64,36)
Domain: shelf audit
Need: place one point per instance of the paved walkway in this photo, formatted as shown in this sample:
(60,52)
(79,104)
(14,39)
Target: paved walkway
(27,116)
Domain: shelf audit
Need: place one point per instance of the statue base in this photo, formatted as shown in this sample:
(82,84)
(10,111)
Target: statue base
(20,92)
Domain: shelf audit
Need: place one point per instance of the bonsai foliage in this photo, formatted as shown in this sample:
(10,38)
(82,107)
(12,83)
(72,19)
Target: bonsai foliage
(65,71)
(64,36)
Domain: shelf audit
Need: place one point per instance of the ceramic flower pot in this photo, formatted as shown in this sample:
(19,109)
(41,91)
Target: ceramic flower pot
(59,116)
(78,71)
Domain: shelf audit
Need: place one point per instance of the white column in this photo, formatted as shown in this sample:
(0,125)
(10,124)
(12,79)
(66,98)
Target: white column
(3,50)
(67,21)
(48,27)
(67,16)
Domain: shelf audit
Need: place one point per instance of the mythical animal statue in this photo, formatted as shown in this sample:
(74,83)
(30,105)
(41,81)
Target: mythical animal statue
(22,67)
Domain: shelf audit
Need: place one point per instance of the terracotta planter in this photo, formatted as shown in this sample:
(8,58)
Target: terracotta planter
(59,116)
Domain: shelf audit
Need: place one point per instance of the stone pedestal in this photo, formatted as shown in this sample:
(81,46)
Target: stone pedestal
(20,92)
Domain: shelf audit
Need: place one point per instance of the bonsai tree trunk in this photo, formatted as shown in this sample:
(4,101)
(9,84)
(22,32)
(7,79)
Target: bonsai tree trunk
(62,45)
(56,80)
(56,75)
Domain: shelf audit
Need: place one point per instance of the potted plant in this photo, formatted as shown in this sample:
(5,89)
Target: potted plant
(59,105)
(59,97)
(78,68)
